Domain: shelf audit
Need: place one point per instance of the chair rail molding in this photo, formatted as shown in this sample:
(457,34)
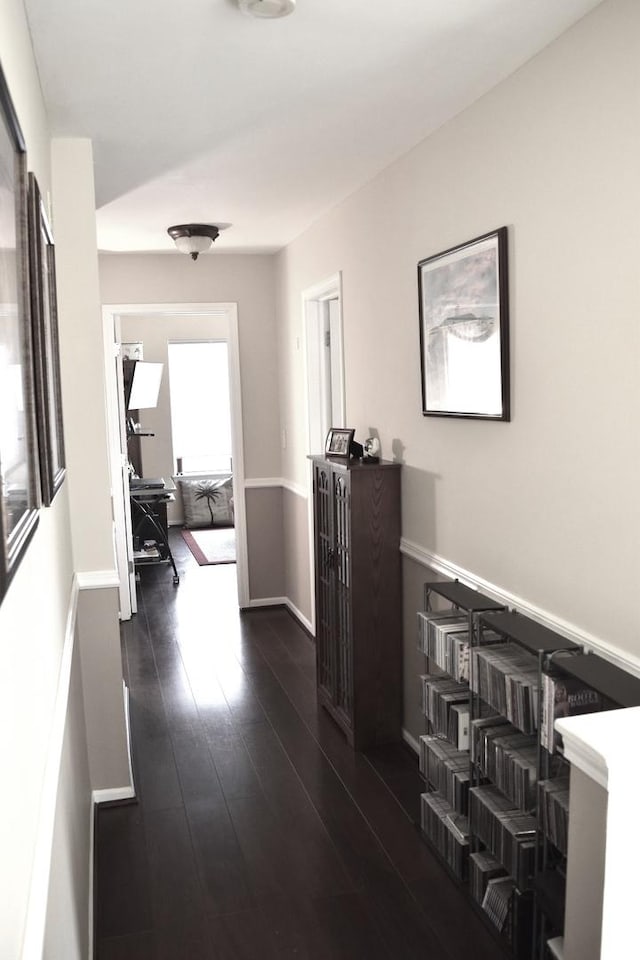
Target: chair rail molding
(449,568)
(259,483)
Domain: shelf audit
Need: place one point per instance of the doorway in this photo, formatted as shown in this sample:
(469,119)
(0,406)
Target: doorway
(221,320)
(326,404)
(322,306)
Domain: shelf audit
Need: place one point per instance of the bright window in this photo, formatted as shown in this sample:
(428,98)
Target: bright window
(200,412)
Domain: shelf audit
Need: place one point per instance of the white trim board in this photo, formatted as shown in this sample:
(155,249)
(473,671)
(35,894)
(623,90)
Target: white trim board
(227,311)
(411,741)
(100,796)
(296,488)
(450,569)
(111,794)
(281,602)
(39,890)
(315,378)
(260,483)
(97,579)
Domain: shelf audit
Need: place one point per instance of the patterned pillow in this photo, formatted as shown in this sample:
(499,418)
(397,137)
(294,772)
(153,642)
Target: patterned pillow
(207,502)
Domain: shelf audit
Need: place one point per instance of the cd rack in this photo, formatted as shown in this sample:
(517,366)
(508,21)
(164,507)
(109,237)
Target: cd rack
(480,756)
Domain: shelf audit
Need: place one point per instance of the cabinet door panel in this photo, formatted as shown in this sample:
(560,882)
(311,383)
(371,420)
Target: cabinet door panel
(325,654)
(343,639)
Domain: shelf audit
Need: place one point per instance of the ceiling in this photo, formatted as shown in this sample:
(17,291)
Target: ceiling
(198,112)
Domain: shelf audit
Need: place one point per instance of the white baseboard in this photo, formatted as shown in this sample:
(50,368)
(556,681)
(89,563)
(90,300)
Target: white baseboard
(593,644)
(127,723)
(411,741)
(110,794)
(281,602)
(300,616)
(92,862)
(265,602)
(100,796)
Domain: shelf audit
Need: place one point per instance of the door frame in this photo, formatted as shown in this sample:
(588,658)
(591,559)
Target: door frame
(228,312)
(312,298)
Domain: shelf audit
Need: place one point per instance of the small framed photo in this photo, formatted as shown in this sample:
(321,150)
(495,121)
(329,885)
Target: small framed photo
(464,330)
(338,442)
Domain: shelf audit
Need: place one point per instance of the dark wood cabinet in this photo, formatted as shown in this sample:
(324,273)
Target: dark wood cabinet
(359,597)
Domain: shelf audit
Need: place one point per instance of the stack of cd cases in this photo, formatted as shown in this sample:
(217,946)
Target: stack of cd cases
(497,900)
(553,808)
(444,638)
(445,704)
(483,867)
(507,757)
(508,833)
(446,770)
(448,831)
(506,677)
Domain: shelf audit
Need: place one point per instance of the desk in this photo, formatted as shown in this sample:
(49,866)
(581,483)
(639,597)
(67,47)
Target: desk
(149,523)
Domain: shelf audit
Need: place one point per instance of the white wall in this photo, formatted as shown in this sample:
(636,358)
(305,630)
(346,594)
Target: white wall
(217,278)
(67,922)
(44,822)
(34,611)
(81,354)
(545,507)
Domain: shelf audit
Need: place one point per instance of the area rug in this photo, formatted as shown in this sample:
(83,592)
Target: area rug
(216,545)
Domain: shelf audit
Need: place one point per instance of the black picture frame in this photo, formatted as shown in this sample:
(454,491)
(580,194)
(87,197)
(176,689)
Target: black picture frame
(19,485)
(464,330)
(338,442)
(46,350)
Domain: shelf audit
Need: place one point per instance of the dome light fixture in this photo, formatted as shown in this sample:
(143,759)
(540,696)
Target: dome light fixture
(193,238)
(267,9)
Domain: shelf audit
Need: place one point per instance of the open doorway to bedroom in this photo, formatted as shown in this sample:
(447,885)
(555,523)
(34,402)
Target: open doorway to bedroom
(216,412)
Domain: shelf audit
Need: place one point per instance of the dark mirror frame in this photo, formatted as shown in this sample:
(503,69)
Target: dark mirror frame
(46,349)
(15,334)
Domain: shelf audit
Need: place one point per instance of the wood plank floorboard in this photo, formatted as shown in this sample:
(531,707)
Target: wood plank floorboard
(257,832)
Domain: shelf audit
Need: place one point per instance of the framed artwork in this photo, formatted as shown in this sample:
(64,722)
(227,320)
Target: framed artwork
(464,330)
(46,351)
(338,442)
(19,489)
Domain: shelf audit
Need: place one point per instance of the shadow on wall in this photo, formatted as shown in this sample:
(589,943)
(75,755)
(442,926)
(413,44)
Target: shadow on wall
(397,449)
(419,504)
(418,497)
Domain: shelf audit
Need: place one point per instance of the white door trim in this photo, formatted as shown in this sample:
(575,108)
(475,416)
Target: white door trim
(229,313)
(329,289)
(119,507)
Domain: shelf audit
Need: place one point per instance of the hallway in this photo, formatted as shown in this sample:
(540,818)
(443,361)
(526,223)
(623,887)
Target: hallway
(258,832)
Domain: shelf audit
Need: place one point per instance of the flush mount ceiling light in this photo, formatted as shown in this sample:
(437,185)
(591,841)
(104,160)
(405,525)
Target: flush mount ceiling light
(267,9)
(193,238)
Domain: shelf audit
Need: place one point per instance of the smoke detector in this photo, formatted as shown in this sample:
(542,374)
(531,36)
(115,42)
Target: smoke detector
(267,9)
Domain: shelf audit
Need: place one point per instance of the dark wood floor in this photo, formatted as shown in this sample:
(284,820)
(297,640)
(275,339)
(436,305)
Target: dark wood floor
(258,833)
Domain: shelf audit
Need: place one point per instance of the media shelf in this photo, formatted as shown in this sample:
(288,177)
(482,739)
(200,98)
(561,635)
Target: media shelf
(492,807)
(589,683)
(496,806)
(618,688)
